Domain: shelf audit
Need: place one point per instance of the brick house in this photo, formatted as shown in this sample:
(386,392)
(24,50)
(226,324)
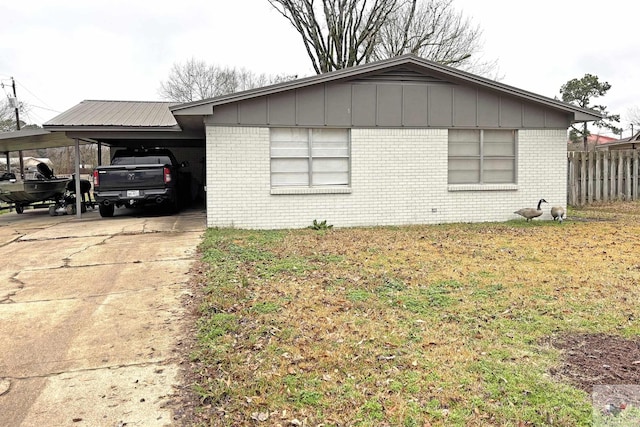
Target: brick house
(400,141)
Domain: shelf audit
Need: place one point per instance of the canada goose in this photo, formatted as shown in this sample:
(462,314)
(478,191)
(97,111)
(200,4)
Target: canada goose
(530,213)
(557,212)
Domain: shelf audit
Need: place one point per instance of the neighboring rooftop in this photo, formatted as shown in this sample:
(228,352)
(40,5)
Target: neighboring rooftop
(628,143)
(600,139)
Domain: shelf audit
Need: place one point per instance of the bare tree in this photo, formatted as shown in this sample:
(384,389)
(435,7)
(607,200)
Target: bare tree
(339,33)
(195,80)
(343,33)
(633,117)
(63,158)
(8,116)
(434,30)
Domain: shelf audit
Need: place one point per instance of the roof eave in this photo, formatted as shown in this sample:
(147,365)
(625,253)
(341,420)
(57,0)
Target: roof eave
(32,139)
(86,128)
(586,116)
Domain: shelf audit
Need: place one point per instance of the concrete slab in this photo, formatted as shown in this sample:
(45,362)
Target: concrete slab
(124,248)
(90,317)
(117,333)
(42,254)
(91,283)
(34,338)
(129,396)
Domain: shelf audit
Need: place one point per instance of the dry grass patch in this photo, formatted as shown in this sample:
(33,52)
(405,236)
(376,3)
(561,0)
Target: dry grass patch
(410,326)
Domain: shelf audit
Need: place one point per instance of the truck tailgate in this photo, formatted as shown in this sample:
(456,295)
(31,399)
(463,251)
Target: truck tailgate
(135,177)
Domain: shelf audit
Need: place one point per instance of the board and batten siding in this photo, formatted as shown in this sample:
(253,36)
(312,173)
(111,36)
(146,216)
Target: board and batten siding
(398,177)
(389,105)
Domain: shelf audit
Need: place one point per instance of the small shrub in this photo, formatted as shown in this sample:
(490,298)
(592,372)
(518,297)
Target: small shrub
(320,225)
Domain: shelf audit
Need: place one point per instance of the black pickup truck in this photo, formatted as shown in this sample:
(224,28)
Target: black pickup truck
(139,178)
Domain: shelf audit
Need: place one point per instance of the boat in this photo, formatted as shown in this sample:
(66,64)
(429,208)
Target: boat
(25,192)
(31,191)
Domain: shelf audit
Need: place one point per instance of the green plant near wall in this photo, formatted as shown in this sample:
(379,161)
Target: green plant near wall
(320,225)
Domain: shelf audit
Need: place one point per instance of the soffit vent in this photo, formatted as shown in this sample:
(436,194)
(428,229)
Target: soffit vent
(400,75)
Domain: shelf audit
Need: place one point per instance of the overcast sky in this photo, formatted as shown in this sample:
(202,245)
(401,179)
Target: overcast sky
(65,51)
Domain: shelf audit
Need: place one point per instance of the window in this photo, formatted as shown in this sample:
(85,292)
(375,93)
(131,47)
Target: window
(482,156)
(142,159)
(309,157)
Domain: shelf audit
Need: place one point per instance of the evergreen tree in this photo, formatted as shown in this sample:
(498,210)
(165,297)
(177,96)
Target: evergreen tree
(582,92)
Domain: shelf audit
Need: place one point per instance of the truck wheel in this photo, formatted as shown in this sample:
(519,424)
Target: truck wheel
(106,211)
(19,208)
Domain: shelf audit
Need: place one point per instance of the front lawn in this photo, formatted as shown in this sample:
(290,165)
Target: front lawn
(457,324)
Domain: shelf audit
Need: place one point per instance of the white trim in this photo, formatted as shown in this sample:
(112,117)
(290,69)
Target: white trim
(310,190)
(482,187)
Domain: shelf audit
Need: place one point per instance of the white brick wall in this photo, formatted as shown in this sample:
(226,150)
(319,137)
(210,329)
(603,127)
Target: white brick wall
(398,176)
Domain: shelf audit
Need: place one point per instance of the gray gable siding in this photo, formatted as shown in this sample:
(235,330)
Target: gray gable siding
(401,104)
(336,98)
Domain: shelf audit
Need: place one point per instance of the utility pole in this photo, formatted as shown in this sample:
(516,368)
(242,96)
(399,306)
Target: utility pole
(15,98)
(17,107)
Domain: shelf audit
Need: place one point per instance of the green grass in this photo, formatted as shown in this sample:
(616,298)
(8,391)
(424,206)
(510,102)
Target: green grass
(410,326)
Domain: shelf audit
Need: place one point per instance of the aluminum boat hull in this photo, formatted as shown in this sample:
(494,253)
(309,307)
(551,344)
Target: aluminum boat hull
(31,191)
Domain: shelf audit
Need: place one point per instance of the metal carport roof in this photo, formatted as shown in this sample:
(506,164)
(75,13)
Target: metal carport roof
(33,139)
(110,122)
(95,114)
(121,123)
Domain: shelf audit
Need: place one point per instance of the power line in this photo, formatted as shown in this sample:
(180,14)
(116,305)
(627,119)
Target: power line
(26,111)
(35,96)
(31,115)
(43,108)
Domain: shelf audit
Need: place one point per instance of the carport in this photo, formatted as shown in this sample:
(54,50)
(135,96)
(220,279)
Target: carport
(117,124)
(33,139)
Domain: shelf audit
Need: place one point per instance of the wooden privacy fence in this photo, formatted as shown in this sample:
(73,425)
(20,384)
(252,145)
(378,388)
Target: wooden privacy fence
(601,176)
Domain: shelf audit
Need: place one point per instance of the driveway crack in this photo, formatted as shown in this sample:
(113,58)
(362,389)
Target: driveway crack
(67,260)
(8,298)
(159,370)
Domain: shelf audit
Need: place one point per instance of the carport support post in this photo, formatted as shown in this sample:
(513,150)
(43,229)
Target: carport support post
(8,161)
(21,159)
(78,193)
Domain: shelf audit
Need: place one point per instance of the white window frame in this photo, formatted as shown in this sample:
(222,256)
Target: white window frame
(481,157)
(337,153)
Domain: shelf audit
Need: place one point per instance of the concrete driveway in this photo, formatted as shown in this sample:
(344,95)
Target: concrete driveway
(90,316)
